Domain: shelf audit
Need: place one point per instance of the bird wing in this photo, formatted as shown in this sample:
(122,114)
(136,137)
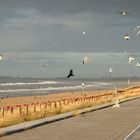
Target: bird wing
(129,60)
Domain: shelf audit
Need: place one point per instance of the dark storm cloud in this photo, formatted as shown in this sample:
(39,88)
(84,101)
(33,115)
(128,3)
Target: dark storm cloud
(74,6)
(107,10)
(56,26)
(91,6)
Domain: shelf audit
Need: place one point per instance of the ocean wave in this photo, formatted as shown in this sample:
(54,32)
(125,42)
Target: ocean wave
(102,83)
(55,88)
(41,89)
(35,83)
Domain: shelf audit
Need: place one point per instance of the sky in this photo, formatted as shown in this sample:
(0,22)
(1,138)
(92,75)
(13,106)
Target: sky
(37,32)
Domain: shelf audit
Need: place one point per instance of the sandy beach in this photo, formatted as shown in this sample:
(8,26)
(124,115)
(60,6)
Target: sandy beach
(12,101)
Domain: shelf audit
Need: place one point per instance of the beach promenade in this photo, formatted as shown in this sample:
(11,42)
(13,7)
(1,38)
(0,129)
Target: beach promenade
(105,124)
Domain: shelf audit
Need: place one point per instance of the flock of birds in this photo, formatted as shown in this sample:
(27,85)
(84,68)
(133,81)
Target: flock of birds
(89,60)
(126,37)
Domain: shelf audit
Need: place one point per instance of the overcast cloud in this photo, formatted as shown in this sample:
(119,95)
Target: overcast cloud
(33,32)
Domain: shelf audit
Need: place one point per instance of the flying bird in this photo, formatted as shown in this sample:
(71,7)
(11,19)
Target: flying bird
(86,60)
(136,65)
(84,33)
(130,59)
(70,73)
(123,13)
(111,70)
(1,58)
(137,29)
(126,37)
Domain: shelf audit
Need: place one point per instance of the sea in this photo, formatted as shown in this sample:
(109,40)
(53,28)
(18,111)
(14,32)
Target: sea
(13,87)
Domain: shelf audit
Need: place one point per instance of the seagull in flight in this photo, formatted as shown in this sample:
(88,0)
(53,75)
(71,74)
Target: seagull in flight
(84,33)
(1,58)
(126,37)
(136,65)
(130,59)
(70,73)
(87,60)
(137,29)
(123,13)
(111,70)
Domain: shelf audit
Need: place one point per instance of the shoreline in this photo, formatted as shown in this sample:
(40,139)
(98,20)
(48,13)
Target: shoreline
(11,91)
(13,101)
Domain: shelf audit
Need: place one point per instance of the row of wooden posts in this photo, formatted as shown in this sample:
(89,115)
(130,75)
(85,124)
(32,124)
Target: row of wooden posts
(53,104)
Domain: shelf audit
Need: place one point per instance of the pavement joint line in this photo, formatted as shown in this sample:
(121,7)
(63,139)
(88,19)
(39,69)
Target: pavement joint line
(35,123)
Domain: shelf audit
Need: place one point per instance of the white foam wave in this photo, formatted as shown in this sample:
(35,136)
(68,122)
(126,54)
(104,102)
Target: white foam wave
(41,89)
(101,83)
(54,88)
(21,83)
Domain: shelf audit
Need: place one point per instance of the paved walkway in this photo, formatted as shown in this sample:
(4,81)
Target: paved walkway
(106,124)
